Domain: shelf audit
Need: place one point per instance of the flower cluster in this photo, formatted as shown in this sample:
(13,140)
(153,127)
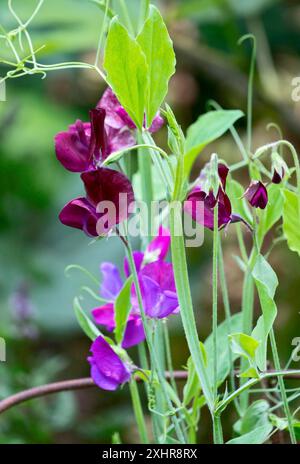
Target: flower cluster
(83,148)
(156,280)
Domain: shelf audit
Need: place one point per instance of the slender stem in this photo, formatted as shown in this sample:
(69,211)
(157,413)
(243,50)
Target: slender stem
(185,303)
(153,355)
(282,388)
(169,356)
(217,430)
(250,89)
(215,301)
(101,35)
(138,411)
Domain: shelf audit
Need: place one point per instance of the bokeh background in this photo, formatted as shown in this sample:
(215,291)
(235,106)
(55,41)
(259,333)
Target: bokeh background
(44,342)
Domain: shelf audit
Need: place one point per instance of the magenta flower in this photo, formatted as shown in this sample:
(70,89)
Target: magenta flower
(105,315)
(198,198)
(101,185)
(108,371)
(117,118)
(84,145)
(257,194)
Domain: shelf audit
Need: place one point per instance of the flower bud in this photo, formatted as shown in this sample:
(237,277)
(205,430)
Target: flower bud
(257,194)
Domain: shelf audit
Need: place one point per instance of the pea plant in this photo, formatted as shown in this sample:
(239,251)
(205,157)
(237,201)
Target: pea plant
(232,368)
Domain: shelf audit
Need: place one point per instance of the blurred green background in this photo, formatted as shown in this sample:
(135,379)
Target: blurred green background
(35,248)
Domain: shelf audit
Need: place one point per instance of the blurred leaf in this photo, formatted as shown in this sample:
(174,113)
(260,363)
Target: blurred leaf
(291,220)
(85,323)
(255,416)
(255,437)
(127,71)
(208,127)
(155,42)
(62,412)
(272,213)
(192,386)
(245,346)
(266,283)
(122,309)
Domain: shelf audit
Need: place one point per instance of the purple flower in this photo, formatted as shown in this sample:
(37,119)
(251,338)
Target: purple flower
(198,198)
(101,185)
(118,118)
(278,176)
(108,371)
(257,194)
(105,315)
(85,145)
(158,290)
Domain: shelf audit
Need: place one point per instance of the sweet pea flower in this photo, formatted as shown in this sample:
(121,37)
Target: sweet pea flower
(278,176)
(84,145)
(101,185)
(199,197)
(108,371)
(257,194)
(105,315)
(83,149)
(117,117)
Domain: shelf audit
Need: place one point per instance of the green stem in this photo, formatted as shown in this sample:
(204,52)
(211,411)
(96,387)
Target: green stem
(169,356)
(153,355)
(185,303)
(217,430)
(215,301)
(282,388)
(138,411)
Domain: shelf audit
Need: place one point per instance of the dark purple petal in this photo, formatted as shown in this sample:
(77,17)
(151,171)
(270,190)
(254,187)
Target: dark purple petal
(277,178)
(72,147)
(111,281)
(98,149)
(113,188)
(134,332)
(257,195)
(223,171)
(119,139)
(157,123)
(80,214)
(160,245)
(138,258)
(107,369)
(104,315)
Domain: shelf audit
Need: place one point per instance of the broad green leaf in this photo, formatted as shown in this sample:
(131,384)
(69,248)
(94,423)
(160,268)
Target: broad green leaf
(291,220)
(245,346)
(155,42)
(84,321)
(266,283)
(127,71)
(192,386)
(272,213)
(255,416)
(255,437)
(122,310)
(205,130)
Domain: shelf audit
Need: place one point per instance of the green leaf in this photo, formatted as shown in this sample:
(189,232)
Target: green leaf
(266,283)
(205,130)
(291,220)
(255,437)
(245,346)
(192,386)
(155,42)
(271,214)
(122,310)
(127,71)
(255,416)
(235,191)
(84,321)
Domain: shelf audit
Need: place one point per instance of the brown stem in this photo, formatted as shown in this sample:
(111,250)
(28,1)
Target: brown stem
(65,385)
(78,384)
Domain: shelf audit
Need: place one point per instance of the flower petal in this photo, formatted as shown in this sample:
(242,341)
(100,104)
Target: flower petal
(134,332)
(72,147)
(80,214)
(161,244)
(138,258)
(111,282)
(104,315)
